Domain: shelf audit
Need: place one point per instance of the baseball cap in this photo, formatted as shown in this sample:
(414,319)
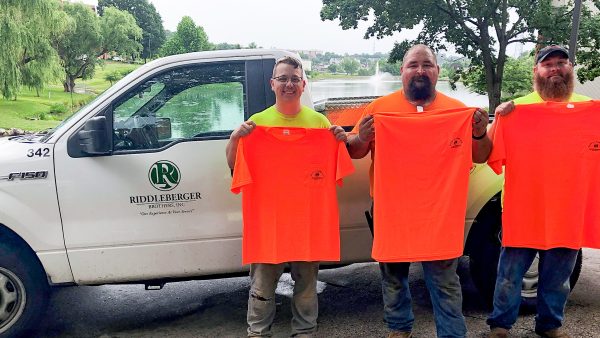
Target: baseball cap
(544,52)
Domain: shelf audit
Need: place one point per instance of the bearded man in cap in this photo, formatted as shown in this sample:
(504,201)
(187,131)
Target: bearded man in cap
(553,80)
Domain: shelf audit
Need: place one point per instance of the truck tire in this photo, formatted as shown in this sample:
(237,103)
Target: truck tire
(483,248)
(24,288)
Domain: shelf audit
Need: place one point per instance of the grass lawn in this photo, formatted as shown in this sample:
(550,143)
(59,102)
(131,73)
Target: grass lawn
(30,112)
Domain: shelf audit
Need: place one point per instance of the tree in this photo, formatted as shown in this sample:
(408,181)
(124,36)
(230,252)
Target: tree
(146,17)
(27,56)
(479,30)
(89,37)
(225,45)
(188,38)
(349,65)
(392,68)
(517,79)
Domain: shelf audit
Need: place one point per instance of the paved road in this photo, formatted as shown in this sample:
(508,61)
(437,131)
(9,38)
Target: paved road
(350,306)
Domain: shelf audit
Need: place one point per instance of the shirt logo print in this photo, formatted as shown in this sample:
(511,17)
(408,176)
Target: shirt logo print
(594,146)
(455,143)
(317,175)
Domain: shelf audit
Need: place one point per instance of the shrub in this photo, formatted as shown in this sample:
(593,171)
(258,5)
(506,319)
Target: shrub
(125,71)
(112,77)
(57,108)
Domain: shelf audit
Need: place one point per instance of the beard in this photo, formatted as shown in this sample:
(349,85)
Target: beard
(419,89)
(557,87)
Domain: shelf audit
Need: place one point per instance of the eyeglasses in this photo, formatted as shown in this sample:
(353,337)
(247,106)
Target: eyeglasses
(284,79)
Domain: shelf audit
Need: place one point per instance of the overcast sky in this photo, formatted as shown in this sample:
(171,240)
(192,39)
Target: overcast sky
(284,24)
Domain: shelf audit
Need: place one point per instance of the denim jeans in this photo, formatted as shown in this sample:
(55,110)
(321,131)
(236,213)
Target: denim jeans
(555,268)
(444,288)
(261,301)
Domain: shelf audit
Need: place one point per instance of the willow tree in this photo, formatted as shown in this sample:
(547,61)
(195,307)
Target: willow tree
(27,57)
(89,36)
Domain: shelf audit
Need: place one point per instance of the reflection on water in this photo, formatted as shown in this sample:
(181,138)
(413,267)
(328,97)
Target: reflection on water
(322,89)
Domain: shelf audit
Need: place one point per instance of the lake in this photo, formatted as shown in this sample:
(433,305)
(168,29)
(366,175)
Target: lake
(372,86)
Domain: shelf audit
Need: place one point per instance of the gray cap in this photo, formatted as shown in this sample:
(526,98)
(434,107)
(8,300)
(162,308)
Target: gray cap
(546,51)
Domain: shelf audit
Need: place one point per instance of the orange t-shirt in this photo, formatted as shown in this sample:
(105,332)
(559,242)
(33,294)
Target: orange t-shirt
(551,153)
(422,166)
(397,102)
(289,202)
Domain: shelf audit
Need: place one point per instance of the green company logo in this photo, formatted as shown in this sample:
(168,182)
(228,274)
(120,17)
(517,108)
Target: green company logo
(164,175)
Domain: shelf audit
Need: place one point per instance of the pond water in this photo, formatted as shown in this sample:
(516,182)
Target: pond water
(382,85)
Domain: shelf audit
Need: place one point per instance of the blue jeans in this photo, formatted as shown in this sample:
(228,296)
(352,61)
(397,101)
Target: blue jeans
(555,268)
(444,288)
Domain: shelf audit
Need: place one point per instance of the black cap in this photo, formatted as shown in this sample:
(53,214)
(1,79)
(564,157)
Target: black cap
(554,49)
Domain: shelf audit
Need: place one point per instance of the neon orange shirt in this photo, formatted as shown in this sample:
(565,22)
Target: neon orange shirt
(551,153)
(422,166)
(397,102)
(289,201)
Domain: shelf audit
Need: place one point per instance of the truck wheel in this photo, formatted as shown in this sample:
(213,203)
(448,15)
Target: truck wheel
(24,288)
(483,247)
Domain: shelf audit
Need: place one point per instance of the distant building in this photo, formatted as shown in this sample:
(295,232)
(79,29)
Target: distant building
(311,53)
(307,65)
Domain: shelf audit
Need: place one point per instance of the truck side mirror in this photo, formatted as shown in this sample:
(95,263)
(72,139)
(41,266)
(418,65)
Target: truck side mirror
(93,137)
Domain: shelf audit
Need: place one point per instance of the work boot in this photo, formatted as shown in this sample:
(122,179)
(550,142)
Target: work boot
(498,332)
(399,334)
(554,333)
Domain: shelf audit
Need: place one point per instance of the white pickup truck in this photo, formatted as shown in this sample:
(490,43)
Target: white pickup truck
(135,188)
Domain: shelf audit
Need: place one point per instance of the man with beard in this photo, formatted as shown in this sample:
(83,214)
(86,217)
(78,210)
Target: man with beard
(553,81)
(419,74)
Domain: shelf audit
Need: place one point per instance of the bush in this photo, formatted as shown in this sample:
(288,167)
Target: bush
(113,76)
(125,71)
(57,108)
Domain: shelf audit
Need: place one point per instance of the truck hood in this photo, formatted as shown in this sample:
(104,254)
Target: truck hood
(18,150)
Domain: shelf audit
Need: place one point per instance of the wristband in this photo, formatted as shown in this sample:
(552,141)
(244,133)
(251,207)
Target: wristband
(479,137)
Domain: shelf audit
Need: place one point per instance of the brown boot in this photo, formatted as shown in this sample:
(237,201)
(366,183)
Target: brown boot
(498,332)
(554,333)
(399,334)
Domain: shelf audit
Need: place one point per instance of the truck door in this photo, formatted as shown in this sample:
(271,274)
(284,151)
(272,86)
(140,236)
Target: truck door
(159,204)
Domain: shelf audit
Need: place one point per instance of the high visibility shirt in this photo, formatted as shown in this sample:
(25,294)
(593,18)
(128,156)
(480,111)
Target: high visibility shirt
(422,165)
(551,154)
(289,202)
(534,97)
(397,102)
(305,118)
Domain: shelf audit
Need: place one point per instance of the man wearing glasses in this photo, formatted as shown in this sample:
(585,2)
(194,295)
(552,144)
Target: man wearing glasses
(288,85)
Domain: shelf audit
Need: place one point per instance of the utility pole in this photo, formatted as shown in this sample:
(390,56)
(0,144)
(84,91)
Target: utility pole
(574,31)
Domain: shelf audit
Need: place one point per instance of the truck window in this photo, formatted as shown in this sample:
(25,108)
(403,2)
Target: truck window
(204,100)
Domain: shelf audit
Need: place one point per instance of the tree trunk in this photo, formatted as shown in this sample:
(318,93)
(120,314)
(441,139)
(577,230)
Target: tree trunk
(69,84)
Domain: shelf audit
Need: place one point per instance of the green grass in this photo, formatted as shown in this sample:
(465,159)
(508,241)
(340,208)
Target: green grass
(97,84)
(30,112)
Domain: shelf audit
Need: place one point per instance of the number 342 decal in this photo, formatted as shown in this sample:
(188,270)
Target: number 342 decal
(40,152)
